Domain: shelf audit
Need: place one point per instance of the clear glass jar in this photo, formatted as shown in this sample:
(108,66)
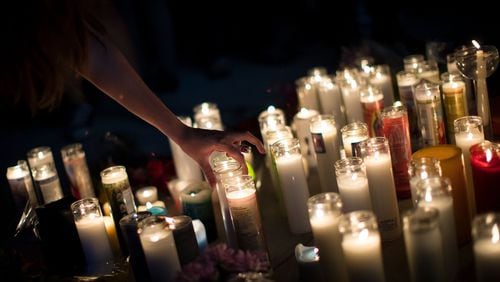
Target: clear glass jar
(353,184)
(485,231)
(73,157)
(352,135)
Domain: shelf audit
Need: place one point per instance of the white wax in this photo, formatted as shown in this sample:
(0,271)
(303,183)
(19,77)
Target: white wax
(349,141)
(114,177)
(384,82)
(352,103)
(447,226)
(147,195)
(96,245)
(326,146)
(161,254)
(325,227)
(49,185)
(20,184)
(79,175)
(363,256)
(354,193)
(331,103)
(383,194)
(487,257)
(201,234)
(295,192)
(185,167)
(224,207)
(301,127)
(424,250)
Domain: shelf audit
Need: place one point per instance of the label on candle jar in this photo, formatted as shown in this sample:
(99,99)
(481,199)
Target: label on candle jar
(79,176)
(431,122)
(50,189)
(371,113)
(319,143)
(20,188)
(120,198)
(455,105)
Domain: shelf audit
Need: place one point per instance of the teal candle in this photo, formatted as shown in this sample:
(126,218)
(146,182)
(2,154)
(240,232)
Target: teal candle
(196,201)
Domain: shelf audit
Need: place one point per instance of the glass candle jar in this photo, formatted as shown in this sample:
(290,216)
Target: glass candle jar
(422,168)
(44,172)
(206,109)
(372,101)
(352,135)
(381,78)
(353,184)
(301,122)
(454,100)
(21,185)
(485,163)
(75,164)
(406,86)
(412,62)
(485,230)
(196,200)
(430,114)
(184,237)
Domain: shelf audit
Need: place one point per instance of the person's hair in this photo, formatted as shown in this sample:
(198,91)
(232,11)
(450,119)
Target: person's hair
(44,44)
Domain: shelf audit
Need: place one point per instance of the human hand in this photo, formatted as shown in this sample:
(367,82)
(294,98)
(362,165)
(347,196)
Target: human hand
(199,144)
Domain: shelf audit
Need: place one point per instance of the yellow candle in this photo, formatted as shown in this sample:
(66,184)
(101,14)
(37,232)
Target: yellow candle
(113,238)
(450,158)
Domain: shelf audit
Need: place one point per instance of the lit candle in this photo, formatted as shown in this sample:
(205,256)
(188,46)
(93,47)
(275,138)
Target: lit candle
(362,247)
(430,114)
(93,237)
(184,237)
(483,106)
(435,192)
(21,185)
(451,162)
(485,229)
(353,184)
(424,244)
(372,101)
(129,228)
(44,172)
(406,86)
(411,62)
(301,128)
(468,132)
(352,103)
(201,234)
(75,164)
(206,109)
(209,123)
(159,249)
(377,158)
(196,201)
(306,93)
(485,163)
(381,78)
(270,119)
(240,193)
(352,135)
(148,194)
(175,186)
(422,168)
(185,167)
(331,101)
(288,158)
(397,131)
(326,147)
(325,210)
(454,101)
(429,71)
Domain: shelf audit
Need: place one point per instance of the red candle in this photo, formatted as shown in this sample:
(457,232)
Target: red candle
(485,162)
(372,101)
(396,129)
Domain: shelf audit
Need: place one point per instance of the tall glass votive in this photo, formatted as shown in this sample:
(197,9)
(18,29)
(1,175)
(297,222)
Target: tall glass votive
(325,211)
(468,131)
(485,230)
(21,185)
(75,164)
(93,237)
(454,101)
(377,158)
(412,62)
(184,237)
(288,159)
(196,200)
(451,162)
(158,243)
(424,244)
(430,114)
(406,86)
(397,131)
(326,146)
(129,227)
(485,163)
(206,109)
(353,184)
(422,168)
(269,119)
(372,101)
(306,93)
(435,192)
(44,172)
(429,71)
(331,102)
(350,95)
(381,78)
(300,126)
(242,200)
(352,135)
(362,247)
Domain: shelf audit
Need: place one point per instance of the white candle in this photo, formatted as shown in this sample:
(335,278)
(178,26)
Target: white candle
(21,185)
(117,187)
(326,147)
(148,194)
(93,237)
(382,78)
(201,234)
(352,103)
(362,247)
(353,184)
(301,128)
(487,246)
(159,248)
(47,181)
(434,192)
(77,170)
(306,93)
(352,135)
(424,247)
(206,109)
(377,158)
(325,211)
(270,119)
(422,168)
(294,184)
(331,101)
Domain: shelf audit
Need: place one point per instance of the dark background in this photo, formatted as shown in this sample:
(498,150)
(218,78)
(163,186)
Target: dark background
(243,56)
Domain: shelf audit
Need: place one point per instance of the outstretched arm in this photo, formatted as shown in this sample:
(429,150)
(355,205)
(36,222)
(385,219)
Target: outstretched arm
(110,71)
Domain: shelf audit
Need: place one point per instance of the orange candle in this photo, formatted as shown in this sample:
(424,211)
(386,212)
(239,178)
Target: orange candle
(452,165)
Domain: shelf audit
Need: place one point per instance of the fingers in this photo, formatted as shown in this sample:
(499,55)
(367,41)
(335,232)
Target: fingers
(237,137)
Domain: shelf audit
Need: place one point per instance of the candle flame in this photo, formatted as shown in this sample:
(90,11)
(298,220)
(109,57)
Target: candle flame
(155,238)
(428,196)
(470,135)
(424,175)
(495,235)
(149,205)
(363,234)
(304,111)
(476,44)
(205,108)
(354,176)
(147,193)
(271,109)
(489,155)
